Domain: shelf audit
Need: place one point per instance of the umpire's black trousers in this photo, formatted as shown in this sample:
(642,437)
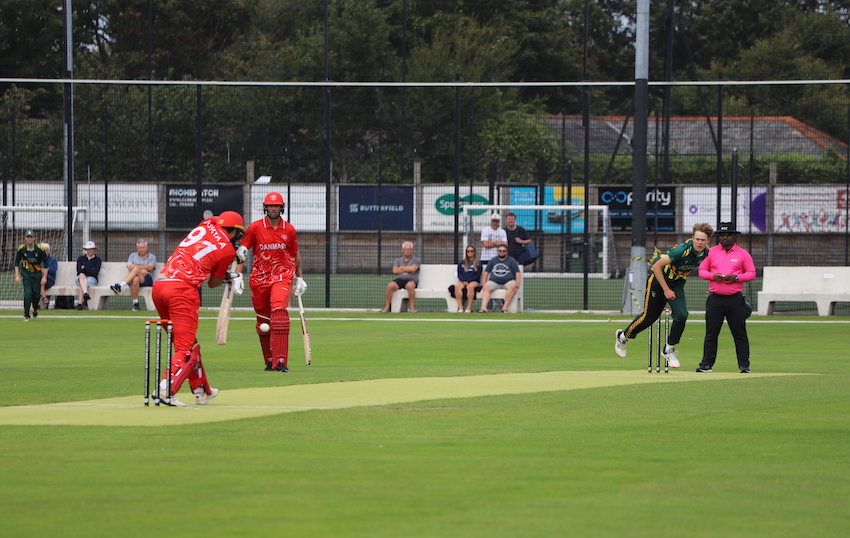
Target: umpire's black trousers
(731,308)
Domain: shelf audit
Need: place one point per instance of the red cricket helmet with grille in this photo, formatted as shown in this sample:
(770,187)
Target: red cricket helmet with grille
(231,219)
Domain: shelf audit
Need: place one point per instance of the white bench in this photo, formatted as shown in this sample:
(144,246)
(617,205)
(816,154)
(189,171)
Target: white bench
(822,285)
(434,282)
(110,273)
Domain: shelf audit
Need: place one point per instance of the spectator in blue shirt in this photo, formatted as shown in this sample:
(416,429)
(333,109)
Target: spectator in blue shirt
(502,273)
(468,277)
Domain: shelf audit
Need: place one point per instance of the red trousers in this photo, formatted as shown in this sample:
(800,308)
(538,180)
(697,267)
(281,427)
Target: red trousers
(270,301)
(180,302)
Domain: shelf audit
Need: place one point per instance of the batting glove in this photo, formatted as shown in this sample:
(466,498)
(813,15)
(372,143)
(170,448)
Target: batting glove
(241,254)
(236,280)
(300,286)
(238,285)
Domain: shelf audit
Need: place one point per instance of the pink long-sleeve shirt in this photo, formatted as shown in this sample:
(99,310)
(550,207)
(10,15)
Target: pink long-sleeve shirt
(736,261)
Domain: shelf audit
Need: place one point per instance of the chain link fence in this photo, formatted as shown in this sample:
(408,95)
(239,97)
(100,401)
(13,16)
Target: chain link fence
(365,168)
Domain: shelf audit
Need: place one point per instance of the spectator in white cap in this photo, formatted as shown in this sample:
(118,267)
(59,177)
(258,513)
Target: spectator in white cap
(88,267)
(492,237)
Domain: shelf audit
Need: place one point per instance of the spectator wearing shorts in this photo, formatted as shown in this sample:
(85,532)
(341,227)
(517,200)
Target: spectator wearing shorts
(141,265)
(502,273)
(406,271)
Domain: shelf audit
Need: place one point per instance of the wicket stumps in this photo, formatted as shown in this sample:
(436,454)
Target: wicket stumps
(661,343)
(157,397)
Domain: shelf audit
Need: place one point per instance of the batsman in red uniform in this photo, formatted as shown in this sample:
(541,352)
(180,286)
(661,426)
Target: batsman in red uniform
(206,253)
(276,263)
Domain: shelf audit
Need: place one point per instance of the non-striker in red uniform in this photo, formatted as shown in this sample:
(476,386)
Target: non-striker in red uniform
(275,251)
(206,251)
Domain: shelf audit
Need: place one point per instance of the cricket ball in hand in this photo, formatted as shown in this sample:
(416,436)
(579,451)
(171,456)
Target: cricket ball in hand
(265,327)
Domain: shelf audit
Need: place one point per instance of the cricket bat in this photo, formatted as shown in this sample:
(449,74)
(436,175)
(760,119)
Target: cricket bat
(308,351)
(224,312)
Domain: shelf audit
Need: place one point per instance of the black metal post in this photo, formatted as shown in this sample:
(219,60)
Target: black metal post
(68,102)
(328,183)
(719,150)
(380,185)
(106,173)
(457,172)
(734,180)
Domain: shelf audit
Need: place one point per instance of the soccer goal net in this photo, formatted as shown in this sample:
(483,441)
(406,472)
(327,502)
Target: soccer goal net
(49,224)
(558,234)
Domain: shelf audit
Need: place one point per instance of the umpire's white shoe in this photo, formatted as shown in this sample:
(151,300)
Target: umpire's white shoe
(203,398)
(621,343)
(671,356)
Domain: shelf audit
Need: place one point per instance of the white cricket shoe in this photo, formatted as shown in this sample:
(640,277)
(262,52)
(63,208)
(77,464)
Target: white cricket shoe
(203,398)
(621,343)
(175,402)
(671,356)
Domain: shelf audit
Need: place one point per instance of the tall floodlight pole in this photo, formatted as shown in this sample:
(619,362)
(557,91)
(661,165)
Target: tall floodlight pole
(328,183)
(68,134)
(638,266)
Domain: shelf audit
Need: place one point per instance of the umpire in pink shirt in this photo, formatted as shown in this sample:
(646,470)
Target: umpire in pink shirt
(727,267)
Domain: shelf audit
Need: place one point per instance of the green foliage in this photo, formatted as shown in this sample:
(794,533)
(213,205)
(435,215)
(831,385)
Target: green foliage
(518,138)
(791,169)
(189,37)
(37,141)
(284,40)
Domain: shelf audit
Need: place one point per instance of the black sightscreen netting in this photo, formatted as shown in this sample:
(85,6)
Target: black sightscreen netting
(151,160)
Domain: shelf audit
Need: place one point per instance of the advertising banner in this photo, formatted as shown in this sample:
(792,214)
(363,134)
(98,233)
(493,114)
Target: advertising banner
(304,205)
(181,203)
(660,205)
(132,206)
(553,221)
(360,208)
(438,206)
(810,209)
(699,204)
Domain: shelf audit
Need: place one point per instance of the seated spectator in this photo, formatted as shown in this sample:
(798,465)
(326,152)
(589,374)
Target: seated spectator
(406,269)
(88,267)
(502,273)
(468,275)
(141,265)
(52,266)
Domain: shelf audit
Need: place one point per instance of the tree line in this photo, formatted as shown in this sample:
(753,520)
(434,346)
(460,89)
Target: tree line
(151,131)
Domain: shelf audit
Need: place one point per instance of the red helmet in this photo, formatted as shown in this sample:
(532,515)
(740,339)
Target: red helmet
(230,219)
(273,198)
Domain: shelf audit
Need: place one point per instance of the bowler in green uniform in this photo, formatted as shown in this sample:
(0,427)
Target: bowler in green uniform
(666,285)
(31,271)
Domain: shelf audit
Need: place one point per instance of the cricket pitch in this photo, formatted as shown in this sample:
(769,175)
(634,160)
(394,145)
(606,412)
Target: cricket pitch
(233,404)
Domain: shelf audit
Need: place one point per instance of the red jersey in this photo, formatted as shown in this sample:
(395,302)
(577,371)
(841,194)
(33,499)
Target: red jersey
(205,251)
(275,250)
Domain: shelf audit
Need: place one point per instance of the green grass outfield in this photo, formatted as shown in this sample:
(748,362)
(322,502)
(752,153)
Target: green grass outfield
(415,425)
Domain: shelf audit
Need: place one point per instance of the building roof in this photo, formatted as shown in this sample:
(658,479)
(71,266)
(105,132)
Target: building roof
(763,135)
